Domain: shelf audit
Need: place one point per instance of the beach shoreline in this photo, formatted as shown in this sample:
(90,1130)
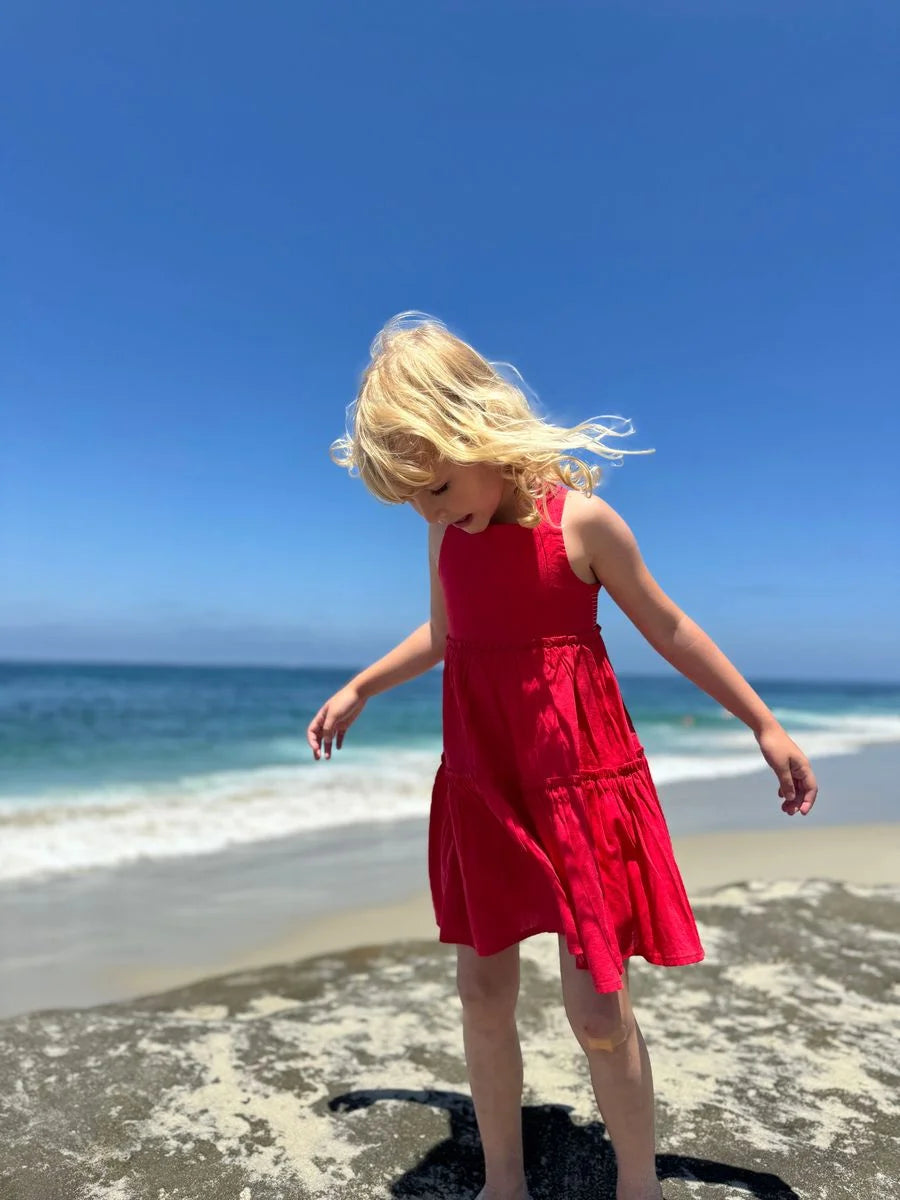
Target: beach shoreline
(860,854)
(154,925)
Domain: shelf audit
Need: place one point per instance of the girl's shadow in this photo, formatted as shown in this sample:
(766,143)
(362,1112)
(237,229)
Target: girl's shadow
(561,1158)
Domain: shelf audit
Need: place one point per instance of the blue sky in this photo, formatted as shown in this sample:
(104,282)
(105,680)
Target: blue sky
(684,213)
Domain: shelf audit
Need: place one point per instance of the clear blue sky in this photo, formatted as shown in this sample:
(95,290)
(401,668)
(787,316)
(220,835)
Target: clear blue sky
(682,212)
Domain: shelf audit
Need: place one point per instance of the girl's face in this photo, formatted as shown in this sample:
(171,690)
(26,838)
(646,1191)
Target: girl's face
(472,497)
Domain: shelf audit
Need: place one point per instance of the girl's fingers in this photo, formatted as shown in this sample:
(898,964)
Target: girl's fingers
(804,786)
(329,725)
(787,784)
(316,730)
(800,789)
(808,789)
(312,734)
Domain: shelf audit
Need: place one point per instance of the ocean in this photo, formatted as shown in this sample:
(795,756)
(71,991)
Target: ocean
(102,765)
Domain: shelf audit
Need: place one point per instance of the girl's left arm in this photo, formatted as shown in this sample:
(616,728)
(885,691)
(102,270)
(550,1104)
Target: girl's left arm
(616,561)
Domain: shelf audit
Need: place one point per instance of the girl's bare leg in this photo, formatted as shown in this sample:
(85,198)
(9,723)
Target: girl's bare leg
(608,1032)
(488,988)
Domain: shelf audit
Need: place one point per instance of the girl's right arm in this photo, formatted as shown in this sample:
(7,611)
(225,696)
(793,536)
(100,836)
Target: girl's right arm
(422,650)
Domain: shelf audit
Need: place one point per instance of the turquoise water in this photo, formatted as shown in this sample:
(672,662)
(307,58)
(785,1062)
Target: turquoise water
(100,764)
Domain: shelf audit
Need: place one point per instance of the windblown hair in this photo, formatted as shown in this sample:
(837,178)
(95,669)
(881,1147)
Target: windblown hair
(427,398)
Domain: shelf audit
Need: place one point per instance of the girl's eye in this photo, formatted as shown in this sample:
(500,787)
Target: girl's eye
(442,488)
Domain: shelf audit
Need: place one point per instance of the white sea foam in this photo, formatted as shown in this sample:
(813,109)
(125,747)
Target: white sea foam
(860,729)
(202,814)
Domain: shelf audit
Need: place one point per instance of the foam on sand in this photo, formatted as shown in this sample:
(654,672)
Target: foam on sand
(343,1075)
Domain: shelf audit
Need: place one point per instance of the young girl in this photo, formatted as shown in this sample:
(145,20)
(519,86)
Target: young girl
(544,815)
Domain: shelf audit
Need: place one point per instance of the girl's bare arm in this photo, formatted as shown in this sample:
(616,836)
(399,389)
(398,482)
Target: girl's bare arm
(423,649)
(617,562)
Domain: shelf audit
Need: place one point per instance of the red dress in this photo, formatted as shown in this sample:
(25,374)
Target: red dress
(544,815)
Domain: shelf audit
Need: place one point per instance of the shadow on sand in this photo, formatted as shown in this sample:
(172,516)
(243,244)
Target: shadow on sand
(562,1159)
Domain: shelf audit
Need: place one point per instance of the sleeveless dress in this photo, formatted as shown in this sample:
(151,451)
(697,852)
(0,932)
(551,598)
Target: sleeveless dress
(544,816)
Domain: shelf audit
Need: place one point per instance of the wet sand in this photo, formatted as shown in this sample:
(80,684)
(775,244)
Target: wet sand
(774,1064)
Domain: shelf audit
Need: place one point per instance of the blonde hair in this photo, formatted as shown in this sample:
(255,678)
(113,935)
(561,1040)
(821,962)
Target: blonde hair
(428,397)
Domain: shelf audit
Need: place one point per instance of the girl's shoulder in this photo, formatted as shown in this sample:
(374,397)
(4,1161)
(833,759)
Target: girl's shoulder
(587,513)
(595,536)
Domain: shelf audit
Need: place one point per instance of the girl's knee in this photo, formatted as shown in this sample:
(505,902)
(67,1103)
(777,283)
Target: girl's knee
(605,1034)
(488,986)
(602,1022)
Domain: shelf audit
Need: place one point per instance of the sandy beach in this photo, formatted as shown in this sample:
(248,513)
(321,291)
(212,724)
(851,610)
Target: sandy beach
(322,1057)
(861,854)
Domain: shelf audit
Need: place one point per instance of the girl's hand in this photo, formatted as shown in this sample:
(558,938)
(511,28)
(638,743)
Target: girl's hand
(334,717)
(798,784)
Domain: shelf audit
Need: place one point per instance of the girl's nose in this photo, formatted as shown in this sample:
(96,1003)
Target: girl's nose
(423,510)
(434,513)
(430,509)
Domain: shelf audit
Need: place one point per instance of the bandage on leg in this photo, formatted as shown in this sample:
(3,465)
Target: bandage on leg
(611,1043)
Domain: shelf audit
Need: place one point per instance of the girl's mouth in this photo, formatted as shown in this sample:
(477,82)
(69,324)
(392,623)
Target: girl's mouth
(463,521)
